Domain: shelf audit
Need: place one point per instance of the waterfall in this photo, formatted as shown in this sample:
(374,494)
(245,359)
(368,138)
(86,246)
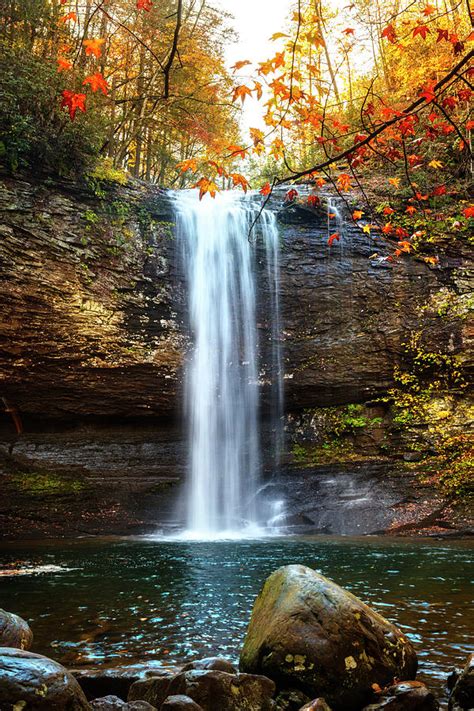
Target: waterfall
(222,376)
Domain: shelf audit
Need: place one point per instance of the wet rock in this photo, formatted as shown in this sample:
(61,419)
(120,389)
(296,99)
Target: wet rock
(290,700)
(213,690)
(44,685)
(316,705)
(113,703)
(97,683)
(308,633)
(462,695)
(405,696)
(14,631)
(209,663)
(179,702)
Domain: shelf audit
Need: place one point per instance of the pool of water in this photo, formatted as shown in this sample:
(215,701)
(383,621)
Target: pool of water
(118,602)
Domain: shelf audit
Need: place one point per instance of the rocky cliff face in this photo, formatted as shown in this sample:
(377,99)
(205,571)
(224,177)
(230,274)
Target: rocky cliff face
(93,326)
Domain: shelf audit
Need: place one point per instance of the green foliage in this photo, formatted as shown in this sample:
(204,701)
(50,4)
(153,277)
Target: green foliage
(106,172)
(42,484)
(35,133)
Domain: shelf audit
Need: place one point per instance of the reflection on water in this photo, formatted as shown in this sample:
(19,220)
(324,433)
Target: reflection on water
(123,601)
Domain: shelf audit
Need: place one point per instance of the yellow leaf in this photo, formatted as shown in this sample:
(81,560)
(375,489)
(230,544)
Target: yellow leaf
(435,164)
(395,182)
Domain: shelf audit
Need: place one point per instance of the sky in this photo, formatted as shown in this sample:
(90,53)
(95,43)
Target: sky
(255,22)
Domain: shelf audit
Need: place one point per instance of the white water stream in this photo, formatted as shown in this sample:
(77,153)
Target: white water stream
(222,379)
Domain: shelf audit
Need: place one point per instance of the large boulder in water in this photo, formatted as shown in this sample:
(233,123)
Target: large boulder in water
(14,631)
(308,633)
(43,685)
(212,690)
(209,663)
(462,695)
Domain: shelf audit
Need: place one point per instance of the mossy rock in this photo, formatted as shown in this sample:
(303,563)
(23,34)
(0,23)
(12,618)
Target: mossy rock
(308,633)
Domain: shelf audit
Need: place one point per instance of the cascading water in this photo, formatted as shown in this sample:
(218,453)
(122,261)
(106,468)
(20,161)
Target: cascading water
(222,388)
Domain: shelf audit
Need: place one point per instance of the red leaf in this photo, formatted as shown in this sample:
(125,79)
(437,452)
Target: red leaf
(334,238)
(291,195)
(144,5)
(390,34)
(97,82)
(421,30)
(266,189)
(73,102)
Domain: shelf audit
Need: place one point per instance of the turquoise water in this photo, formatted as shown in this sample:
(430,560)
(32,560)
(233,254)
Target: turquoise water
(116,602)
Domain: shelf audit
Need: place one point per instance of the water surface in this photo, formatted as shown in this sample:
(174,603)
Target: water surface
(125,601)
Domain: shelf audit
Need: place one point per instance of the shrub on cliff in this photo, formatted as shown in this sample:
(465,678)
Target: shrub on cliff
(35,133)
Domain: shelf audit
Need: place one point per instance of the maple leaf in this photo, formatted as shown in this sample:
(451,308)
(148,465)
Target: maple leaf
(93,46)
(357,214)
(421,30)
(334,238)
(366,229)
(239,65)
(395,182)
(241,92)
(429,9)
(439,190)
(390,34)
(237,151)
(348,31)
(313,200)
(256,135)
(206,186)
(257,87)
(291,195)
(189,164)
(97,82)
(69,17)
(320,182)
(73,102)
(64,64)
(442,35)
(388,210)
(469,211)
(387,228)
(144,5)
(238,179)
(266,189)
(411,209)
(436,164)
(277,35)
(431,260)
(405,246)
(219,168)
(344,182)
(428,92)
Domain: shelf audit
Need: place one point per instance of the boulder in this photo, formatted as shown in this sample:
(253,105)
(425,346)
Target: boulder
(44,685)
(98,683)
(113,703)
(405,696)
(14,631)
(316,705)
(179,702)
(291,700)
(308,633)
(209,663)
(213,690)
(462,695)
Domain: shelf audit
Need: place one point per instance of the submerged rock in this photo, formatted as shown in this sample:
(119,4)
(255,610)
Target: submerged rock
(405,696)
(316,705)
(213,690)
(98,683)
(179,702)
(113,703)
(308,633)
(462,695)
(14,631)
(39,682)
(209,663)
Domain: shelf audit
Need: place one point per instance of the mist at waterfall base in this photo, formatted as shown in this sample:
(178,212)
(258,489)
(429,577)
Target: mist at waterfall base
(224,497)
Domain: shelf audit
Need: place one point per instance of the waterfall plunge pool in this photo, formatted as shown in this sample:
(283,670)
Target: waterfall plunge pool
(162,603)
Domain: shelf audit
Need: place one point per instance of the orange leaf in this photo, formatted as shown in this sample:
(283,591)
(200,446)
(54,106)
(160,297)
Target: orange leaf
(387,228)
(73,102)
(241,92)
(429,9)
(344,182)
(395,182)
(239,65)
(388,211)
(469,211)
(144,5)
(357,214)
(348,31)
(64,64)
(97,82)
(206,186)
(70,16)
(189,164)
(238,179)
(93,46)
(237,150)
(334,238)
(411,209)
(266,189)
